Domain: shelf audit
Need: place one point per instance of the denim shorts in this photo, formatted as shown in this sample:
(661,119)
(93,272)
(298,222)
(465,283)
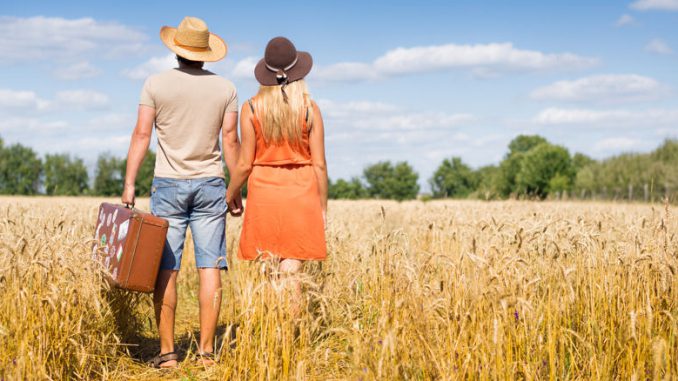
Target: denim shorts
(196,203)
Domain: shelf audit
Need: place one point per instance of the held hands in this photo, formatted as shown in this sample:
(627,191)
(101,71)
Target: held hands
(234,202)
(128,195)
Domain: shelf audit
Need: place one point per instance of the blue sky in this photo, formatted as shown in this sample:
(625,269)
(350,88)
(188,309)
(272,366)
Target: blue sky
(416,81)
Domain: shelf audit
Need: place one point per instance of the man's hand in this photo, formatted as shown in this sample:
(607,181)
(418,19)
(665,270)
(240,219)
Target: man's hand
(128,195)
(234,201)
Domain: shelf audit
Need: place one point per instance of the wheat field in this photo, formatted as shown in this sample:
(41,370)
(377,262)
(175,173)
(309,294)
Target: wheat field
(439,290)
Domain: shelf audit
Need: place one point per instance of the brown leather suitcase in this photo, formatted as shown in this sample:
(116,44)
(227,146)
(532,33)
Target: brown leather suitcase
(129,244)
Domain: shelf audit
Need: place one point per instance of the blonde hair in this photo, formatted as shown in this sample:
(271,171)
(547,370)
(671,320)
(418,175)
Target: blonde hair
(281,120)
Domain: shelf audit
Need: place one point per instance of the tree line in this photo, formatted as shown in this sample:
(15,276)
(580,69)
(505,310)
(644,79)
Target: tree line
(533,168)
(23,172)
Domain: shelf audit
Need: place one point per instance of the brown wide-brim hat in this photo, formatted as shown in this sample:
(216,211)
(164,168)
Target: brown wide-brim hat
(193,41)
(282,63)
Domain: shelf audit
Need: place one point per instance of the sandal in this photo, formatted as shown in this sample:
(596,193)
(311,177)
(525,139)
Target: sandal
(206,358)
(162,358)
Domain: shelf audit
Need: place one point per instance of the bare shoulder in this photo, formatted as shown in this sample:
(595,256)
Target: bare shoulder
(316,109)
(245,108)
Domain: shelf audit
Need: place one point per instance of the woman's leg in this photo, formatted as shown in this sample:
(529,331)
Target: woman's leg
(288,269)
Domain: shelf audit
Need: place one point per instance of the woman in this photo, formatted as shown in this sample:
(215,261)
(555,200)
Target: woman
(283,153)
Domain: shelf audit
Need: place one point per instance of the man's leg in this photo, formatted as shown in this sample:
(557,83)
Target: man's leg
(208,225)
(165,303)
(168,202)
(210,303)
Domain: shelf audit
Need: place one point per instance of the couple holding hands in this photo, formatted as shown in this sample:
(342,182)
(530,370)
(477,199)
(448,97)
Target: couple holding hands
(280,154)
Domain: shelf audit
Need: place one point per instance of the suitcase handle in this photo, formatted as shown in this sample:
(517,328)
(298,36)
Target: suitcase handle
(127,206)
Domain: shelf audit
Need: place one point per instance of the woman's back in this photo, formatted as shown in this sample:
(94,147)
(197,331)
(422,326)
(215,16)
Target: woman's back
(283,152)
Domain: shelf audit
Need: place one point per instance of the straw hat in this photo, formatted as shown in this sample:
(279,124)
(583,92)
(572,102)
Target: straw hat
(193,41)
(282,63)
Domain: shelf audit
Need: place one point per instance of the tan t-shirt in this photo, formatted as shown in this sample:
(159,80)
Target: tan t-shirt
(190,105)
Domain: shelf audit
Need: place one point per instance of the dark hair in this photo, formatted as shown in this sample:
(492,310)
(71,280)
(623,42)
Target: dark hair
(186,61)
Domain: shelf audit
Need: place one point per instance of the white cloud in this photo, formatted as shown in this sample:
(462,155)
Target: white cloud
(30,124)
(331,109)
(616,144)
(607,118)
(383,123)
(39,37)
(68,100)
(625,20)
(658,46)
(359,133)
(605,88)
(21,99)
(499,55)
(112,122)
(661,5)
(346,72)
(76,71)
(484,61)
(81,99)
(414,121)
(244,69)
(152,66)
(114,143)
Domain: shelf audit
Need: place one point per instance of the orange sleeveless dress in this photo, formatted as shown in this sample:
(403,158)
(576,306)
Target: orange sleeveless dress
(283,215)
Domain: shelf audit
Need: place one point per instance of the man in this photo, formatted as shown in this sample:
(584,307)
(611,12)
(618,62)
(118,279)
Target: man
(189,106)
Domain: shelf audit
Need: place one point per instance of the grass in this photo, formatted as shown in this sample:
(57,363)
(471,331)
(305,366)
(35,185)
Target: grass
(435,290)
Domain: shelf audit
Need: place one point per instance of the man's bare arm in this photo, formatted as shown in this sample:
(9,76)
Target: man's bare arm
(243,165)
(230,143)
(138,146)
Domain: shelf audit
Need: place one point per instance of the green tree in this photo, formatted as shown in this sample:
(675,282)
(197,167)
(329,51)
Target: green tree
(487,178)
(387,181)
(352,189)
(19,170)
(586,181)
(579,161)
(667,152)
(144,179)
(505,180)
(540,165)
(559,183)
(508,170)
(108,180)
(524,143)
(453,178)
(64,175)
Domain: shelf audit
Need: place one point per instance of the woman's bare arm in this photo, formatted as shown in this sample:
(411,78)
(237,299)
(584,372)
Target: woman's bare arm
(317,142)
(243,166)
